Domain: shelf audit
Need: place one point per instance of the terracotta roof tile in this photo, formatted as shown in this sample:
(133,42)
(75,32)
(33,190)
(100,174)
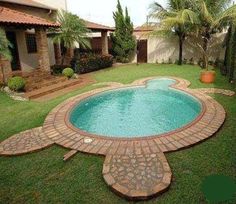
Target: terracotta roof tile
(96,26)
(11,16)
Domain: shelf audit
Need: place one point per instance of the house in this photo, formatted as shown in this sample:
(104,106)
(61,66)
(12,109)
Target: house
(26,23)
(154,49)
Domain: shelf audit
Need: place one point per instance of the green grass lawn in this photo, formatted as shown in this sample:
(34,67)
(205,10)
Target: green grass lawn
(43,177)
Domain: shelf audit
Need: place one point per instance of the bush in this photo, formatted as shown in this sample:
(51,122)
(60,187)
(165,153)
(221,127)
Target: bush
(68,72)
(185,61)
(177,61)
(16,83)
(91,62)
(191,61)
(200,62)
(57,69)
(170,61)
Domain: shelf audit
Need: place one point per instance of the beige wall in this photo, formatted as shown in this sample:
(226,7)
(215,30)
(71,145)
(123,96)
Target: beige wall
(29,61)
(58,4)
(163,49)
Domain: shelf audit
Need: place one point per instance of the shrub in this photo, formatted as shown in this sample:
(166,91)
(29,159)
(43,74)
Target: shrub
(68,72)
(91,62)
(176,61)
(185,61)
(170,61)
(200,62)
(191,61)
(57,69)
(16,83)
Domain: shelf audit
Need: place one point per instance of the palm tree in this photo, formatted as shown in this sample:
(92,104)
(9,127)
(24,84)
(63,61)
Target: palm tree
(71,31)
(213,17)
(4,51)
(176,20)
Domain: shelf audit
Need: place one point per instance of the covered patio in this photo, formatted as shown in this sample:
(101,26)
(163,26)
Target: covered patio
(28,36)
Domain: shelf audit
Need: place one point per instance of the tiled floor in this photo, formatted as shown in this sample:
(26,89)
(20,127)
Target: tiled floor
(133,168)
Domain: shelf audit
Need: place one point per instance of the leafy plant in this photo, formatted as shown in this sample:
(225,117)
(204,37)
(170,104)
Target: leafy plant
(16,83)
(68,72)
(4,51)
(71,31)
(213,17)
(191,61)
(170,61)
(177,20)
(123,41)
(91,62)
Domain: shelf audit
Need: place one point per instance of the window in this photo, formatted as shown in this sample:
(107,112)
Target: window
(31,43)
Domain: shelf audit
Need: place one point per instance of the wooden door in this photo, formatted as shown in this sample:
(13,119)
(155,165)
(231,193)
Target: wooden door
(142,51)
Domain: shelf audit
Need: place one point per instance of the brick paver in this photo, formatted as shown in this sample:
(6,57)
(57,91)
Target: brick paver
(216,91)
(25,142)
(133,168)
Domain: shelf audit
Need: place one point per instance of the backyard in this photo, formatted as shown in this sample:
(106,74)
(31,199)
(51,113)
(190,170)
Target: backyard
(43,177)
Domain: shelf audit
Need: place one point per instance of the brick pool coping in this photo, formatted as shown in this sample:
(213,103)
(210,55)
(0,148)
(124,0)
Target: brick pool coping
(136,168)
(135,181)
(62,132)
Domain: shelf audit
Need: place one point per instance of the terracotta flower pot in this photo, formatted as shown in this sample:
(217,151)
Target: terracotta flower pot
(207,76)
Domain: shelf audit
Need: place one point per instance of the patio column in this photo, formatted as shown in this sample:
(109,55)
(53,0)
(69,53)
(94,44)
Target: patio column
(104,43)
(5,70)
(57,52)
(42,47)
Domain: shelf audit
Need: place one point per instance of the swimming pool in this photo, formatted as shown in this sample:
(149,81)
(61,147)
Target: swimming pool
(154,109)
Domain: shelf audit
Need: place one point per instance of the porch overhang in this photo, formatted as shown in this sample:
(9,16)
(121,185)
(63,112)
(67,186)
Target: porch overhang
(10,17)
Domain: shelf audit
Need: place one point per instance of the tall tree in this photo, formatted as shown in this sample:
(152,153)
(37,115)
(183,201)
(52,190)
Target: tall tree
(232,67)
(123,41)
(71,31)
(176,20)
(4,51)
(213,16)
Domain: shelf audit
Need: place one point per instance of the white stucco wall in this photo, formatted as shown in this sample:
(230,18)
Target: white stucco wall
(163,49)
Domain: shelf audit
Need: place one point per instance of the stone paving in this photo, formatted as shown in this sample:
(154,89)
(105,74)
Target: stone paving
(133,168)
(216,91)
(25,142)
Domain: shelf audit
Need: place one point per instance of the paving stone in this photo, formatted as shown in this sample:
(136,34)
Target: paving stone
(25,142)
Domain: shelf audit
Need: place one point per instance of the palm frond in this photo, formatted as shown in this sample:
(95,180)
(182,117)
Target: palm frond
(72,30)
(4,46)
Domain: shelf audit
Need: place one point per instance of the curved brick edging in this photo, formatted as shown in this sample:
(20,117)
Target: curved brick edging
(121,152)
(25,142)
(133,168)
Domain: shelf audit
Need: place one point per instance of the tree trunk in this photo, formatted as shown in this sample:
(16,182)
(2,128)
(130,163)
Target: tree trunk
(68,56)
(228,50)
(3,73)
(205,57)
(232,71)
(181,42)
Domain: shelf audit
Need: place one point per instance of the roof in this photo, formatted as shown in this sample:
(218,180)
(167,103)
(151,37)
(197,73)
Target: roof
(144,28)
(10,16)
(29,3)
(96,26)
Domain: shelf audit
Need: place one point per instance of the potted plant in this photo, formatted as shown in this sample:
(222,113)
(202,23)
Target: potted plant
(207,75)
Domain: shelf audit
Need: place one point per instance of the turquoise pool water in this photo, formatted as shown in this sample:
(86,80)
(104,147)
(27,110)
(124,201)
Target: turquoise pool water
(136,112)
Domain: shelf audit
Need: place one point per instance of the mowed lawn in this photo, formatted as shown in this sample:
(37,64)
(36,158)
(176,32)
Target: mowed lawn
(43,177)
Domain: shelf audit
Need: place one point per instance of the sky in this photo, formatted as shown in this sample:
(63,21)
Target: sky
(100,11)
